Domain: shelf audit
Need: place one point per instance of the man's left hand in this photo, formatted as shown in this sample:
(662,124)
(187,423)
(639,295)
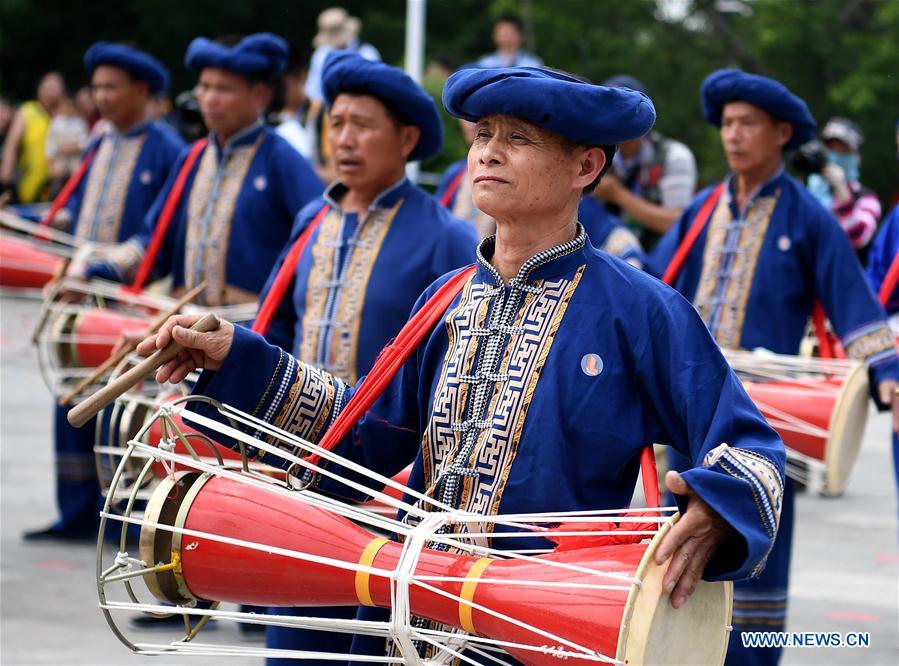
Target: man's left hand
(690,543)
(887,389)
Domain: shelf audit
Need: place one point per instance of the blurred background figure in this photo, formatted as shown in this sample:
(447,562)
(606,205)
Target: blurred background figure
(84,100)
(7,113)
(294,115)
(24,166)
(837,184)
(336,30)
(508,36)
(652,179)
(66,139)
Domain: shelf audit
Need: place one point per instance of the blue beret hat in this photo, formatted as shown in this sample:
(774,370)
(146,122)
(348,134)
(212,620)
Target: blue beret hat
(348,72)
(262,54)
(732,85)
(582,112)
(140,65)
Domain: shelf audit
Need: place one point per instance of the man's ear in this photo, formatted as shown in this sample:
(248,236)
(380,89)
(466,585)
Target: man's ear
(784,132)
(592,162)
(409,134)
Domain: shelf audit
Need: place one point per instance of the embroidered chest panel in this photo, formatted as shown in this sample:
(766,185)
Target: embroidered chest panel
(729,264)
(534,328)
(210,213)
(335,292)
(106,189)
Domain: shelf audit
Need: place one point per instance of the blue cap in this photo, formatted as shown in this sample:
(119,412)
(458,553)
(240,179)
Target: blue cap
(348,72)
(262,54)
(139,64)
(732,85)
(581,112)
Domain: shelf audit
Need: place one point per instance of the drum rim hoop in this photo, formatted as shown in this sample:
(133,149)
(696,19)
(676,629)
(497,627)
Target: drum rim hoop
(836,480)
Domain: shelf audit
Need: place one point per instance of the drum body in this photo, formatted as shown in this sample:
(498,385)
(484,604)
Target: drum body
(819,407)
(606,597)
(24,265)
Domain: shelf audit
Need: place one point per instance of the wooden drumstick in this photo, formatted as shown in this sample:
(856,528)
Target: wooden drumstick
(82,413)
(128,347)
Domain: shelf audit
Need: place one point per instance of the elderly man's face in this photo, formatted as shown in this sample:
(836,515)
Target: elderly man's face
(519,169)
(752,138)
(369,147)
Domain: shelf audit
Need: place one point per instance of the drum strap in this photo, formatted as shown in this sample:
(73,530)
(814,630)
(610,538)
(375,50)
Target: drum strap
(452,188)
(69,188)
(890,281)
(392,357)
(699,223)
(165,218)
(285,275)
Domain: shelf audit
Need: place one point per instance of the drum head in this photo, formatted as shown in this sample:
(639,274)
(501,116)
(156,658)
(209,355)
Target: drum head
(653,632)
(847,428)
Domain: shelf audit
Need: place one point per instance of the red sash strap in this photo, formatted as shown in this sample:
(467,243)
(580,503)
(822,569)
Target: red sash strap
(285,275)
(890,281)
(392,357)
(69,188)
(165,218)
(699,223)
(453,187)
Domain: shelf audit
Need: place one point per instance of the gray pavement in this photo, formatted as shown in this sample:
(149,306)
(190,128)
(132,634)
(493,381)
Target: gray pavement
(844,575)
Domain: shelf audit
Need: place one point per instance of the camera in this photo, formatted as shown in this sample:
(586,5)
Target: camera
(809,158)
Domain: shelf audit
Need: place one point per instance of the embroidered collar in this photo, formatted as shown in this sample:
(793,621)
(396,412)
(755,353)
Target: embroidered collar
(388,198)
(548,263)
(136,129)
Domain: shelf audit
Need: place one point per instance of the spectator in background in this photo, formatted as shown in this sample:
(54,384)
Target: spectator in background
(66,139)
(84,100)
(837,187)
(24,164)
(652,179)
(508,36)
(336,30)
(294,116)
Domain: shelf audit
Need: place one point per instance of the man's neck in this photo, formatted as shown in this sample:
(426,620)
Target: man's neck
(359,199)
(519,240)
(129,123)
(223,137)
(749,181)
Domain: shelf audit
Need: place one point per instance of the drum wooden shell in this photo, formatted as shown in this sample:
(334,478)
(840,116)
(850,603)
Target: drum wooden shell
(24,266)
(635,623)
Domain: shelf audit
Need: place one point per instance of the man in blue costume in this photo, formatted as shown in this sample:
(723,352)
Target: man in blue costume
(242,192)
(768,252)
(541,384)
(128,167)
(379,243)
(883,254)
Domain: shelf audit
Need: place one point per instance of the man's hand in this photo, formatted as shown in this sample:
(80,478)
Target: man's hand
(201,350)
(609,188)
(690,543)
(887,389)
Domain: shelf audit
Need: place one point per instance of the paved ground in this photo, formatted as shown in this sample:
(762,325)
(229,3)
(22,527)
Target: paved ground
(844,573)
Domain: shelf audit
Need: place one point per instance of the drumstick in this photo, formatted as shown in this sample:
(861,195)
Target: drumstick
(116,358)
(83,412)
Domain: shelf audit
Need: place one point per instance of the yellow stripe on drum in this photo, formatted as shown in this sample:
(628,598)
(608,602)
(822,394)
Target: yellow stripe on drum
(467,594)
(363,591)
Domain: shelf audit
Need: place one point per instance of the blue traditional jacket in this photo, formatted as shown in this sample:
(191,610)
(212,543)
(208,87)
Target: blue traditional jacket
(539,396)
(754,275)
(883,252)
(125,176)
(604,229)
(358,278)
(232,221)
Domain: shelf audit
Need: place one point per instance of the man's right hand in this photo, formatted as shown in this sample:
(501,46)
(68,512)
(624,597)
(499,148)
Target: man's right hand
(201,350)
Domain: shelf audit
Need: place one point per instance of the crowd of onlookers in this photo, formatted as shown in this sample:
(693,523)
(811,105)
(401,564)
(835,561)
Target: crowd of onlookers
(652,180)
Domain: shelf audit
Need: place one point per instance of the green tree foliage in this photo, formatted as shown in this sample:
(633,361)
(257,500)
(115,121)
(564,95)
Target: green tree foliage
(841,56)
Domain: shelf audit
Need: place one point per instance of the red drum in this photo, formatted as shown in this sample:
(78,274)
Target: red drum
(819,407)
(596,597)
(86,339)
(25,266)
